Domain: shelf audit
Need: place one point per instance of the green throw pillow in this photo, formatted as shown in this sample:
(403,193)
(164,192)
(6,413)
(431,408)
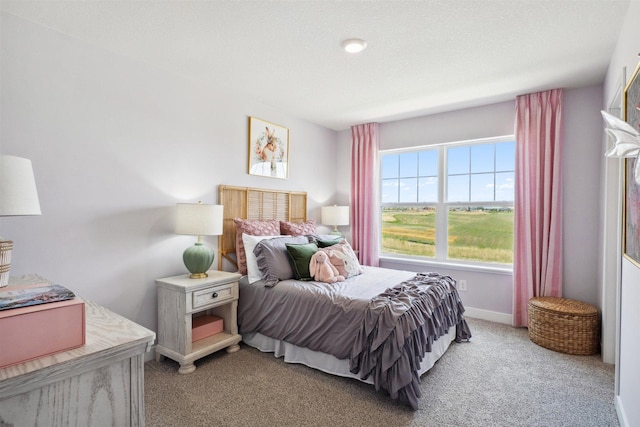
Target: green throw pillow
(300,257)
(325,243)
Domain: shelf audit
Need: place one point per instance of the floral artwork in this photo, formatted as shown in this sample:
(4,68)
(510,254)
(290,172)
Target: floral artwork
(631,187)
(268,149)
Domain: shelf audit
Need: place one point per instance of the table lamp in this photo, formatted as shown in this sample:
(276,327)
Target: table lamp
(18,197)
(335,215)
(198,219)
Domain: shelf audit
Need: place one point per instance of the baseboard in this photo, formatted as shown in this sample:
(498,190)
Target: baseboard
(492,316)
(622,419)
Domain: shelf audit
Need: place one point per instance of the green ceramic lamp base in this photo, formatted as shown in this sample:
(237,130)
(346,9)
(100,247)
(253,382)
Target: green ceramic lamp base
(198,259)
(336,232)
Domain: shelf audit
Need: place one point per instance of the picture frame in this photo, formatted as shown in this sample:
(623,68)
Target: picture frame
(631,199)
(616,109)
(268,149)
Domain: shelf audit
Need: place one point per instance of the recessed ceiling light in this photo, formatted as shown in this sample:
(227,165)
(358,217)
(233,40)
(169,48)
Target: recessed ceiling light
(354,45)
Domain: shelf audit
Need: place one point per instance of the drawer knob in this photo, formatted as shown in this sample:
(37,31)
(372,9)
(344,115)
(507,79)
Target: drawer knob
(215,295)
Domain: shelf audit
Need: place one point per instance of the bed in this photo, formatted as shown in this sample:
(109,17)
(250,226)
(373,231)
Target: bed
(381,326)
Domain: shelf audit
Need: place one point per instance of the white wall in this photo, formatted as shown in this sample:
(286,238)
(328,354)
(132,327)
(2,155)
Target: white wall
(626,55)
(489,293)
(471,123)
(581,161)
(115,143)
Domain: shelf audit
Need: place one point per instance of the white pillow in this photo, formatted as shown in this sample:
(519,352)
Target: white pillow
(250,242)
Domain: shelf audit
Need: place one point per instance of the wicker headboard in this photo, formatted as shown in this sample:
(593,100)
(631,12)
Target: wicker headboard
(255,203)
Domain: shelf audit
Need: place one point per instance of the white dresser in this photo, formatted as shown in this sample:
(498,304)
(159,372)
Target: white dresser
(98,384)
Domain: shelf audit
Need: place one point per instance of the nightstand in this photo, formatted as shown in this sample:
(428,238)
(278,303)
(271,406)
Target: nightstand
(180,300)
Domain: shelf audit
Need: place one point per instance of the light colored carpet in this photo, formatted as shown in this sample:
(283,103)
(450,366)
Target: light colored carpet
(500,378)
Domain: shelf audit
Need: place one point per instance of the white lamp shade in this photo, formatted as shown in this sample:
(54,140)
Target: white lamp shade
(18,193)
(198,219)
(335,215)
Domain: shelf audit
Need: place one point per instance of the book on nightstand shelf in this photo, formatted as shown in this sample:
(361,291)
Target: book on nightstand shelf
(206,326)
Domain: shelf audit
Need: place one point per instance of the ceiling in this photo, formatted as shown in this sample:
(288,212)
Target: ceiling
(422,57)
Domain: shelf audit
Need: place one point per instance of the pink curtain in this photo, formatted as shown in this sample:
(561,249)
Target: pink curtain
(364,193)
(537,266)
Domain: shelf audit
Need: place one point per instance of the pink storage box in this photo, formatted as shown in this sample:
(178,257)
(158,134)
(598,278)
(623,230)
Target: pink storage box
(205,326)
(40,330)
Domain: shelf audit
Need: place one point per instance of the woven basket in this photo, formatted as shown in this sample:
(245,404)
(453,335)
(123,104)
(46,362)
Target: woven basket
(564,325)
(6,247)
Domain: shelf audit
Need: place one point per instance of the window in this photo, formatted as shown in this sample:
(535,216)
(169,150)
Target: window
(452,202)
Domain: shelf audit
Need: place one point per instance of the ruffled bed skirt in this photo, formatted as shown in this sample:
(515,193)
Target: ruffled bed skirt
(400,326)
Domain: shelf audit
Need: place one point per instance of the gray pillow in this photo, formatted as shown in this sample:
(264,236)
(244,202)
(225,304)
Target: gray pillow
(272,258)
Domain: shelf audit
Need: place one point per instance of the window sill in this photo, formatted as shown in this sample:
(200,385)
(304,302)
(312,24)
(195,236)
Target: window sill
(506,270)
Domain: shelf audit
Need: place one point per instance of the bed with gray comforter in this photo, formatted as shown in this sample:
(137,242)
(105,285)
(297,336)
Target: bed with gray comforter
(382,321)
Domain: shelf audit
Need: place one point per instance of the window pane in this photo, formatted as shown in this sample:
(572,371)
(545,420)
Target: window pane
(390,166)
(505,186)
(428,190)
(481,174)
(482,158)
(458,188)
(457,160)
(408,190)
(479,234)
(409,231)
(506,156)
(482,187)
(428,163)
(408,164)
(389,191)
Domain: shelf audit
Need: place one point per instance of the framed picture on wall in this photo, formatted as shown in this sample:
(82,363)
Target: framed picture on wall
(268,149)
(631,221)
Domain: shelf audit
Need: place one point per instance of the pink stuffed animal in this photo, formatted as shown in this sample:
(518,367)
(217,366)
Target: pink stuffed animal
(322,270)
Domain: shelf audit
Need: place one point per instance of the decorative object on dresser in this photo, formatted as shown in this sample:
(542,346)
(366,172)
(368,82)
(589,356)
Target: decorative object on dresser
(198,219)
(18,197)
(181,302)
(335,215)
(99,383)
(23,296)
(31,332)
(268,149)
(37,320)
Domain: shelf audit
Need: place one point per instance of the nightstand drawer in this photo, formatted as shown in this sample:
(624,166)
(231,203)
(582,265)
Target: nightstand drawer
(212,295)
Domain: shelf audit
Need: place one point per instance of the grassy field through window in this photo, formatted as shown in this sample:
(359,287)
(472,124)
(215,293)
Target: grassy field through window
(479,234)
(409,231)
